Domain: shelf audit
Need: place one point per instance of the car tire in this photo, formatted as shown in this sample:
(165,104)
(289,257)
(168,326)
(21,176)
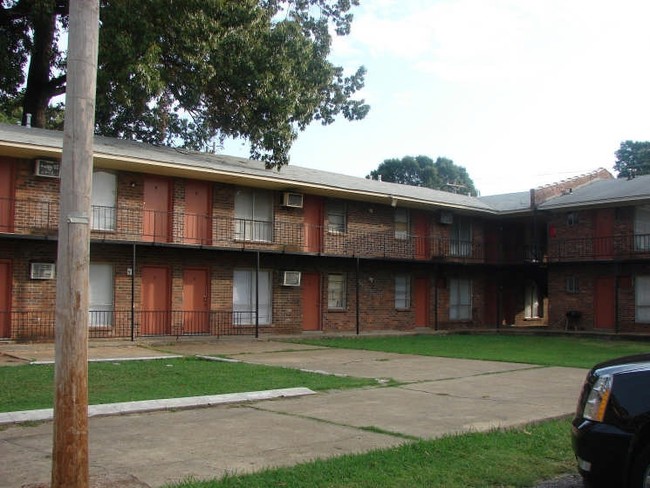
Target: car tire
(640,476)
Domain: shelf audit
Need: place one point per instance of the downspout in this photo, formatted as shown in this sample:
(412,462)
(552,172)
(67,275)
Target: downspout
(257,295)
(357,292)
(133,294)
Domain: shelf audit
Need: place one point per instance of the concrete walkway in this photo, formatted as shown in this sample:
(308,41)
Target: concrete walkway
(436,396)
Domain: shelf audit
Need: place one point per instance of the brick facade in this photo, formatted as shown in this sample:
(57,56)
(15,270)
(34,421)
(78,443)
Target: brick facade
(510,284)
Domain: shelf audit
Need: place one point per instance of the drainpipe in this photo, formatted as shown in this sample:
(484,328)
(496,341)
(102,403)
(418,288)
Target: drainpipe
(133,295)
(435,298)
(257,295)
(357,292)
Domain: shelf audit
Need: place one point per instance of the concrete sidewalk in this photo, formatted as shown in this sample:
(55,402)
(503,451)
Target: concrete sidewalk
(437,396)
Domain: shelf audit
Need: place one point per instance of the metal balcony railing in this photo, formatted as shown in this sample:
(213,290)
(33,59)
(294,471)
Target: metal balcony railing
(136,224)
(39,324)
(599,248)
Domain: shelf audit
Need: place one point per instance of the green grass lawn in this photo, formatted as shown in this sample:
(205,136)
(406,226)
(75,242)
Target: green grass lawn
(544,350)
(502,458)
(31,386)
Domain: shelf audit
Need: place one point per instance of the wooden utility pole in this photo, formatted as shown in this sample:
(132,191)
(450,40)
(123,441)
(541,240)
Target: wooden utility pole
(70,442)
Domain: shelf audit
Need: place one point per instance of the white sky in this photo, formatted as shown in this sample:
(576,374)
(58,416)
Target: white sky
(519,92)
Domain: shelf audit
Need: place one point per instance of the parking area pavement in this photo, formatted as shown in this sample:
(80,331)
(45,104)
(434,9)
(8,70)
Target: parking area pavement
(435,397)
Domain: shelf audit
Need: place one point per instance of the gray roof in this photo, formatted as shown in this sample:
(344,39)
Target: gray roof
(294,177)
(603,192)
(297,178)
(509,202)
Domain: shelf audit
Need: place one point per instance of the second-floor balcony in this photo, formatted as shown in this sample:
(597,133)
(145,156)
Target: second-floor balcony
(609,248)
(40,218)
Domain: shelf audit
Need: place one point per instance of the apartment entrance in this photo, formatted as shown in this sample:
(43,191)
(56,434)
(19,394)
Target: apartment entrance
(156,315)
(605,303)
(421,297)
(155,226)
(196,228)
(603,243)
(196,301)
(313,220)
(310,283)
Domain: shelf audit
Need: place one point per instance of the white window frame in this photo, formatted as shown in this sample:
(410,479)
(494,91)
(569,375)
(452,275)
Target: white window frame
(460,243)
(460,299)
(642,299)
(104,201)
(337,291)
(642,228)
(101,295)
(402,292)
(531,301)
(243,297)
(402,223)
(336,217)
(254,216)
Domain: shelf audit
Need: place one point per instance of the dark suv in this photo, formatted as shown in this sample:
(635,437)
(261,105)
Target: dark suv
(611,429)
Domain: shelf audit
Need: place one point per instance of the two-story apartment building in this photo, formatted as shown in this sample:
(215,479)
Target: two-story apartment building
(186,243)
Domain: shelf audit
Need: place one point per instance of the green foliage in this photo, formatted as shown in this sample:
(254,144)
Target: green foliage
(633,159)
(505,458)
(194,72)
(422,171)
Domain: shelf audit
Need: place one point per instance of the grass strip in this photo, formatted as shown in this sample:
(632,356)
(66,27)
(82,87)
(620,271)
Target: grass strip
(32,386)
(502,458)
(543,350)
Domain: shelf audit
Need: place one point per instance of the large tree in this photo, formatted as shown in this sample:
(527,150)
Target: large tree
(633,159)
(187,73)
(442,174)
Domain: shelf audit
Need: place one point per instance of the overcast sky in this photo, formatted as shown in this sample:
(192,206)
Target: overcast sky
(519,92)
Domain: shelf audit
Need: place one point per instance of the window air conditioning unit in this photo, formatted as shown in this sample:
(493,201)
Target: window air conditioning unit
(446,218)
(47,168)
(292,200)
(291,278)
(42,271)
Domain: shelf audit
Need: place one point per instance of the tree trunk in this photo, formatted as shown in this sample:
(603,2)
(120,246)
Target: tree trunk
(38,92)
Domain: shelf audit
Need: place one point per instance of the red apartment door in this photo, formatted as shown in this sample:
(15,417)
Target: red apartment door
(196,301)
(421,236)
(605,302)
(197,212)
(421,297)
(313,223)
(156,313)
(311,301)
(5,299)
(156,209)
(6,195)
(603,242)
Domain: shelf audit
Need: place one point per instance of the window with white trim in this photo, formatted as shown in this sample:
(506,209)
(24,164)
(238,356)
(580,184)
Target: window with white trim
(642,228)
(103,201)
(101,295)
(401,223)
(336,292)
(244,297)
(461,237)
(402,292)
(460,299)
(336,218)
(642,299)
(253,216)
